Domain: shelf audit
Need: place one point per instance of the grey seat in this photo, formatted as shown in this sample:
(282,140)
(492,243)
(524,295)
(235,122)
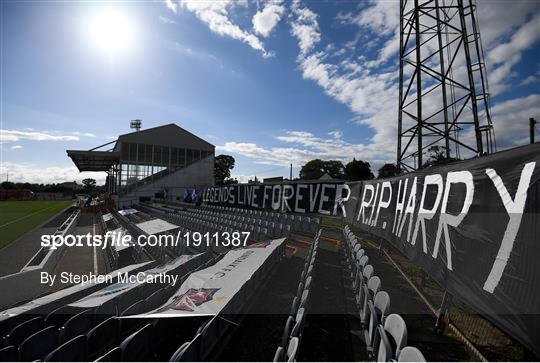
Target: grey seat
(188,352)
(396,330)
(102,338)
(59,316)
(8,354)
(113,355)
(411,354)
(304,299)
(368,293)
(128,325)
(381,303)
(77,325)
(292,349)
(278,356)
(287,331)
(24,330)
(137,346)
(384,353)
(74,350)
(38,344)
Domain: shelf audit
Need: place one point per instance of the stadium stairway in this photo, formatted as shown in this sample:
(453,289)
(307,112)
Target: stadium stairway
(78,260)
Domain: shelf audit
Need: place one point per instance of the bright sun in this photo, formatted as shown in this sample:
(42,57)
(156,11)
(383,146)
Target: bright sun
(111,32)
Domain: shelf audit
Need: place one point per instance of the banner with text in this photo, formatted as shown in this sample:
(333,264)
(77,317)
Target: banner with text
(473,226)
(296,197)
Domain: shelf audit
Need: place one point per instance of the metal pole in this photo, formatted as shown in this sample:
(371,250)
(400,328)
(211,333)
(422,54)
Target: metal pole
(442,315)
(290,174)
(472,89)
(532,122)
(400,113)
(443,81)
(418,82)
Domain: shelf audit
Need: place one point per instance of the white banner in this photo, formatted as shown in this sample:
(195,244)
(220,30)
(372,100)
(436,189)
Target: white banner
(208,291)
(128,282)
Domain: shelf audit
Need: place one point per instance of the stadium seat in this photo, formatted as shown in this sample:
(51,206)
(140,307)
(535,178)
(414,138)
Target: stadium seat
(287,331)
(298,323)
(127,299)
(105,311)
(210,335)
(24,330)
(308,283)
(38,344)
(304,299)
(396,330)
(128,325)
(385,348)
(59,316)
(102,337)
(73,350)
(138,346)
(77,325)
(278,356)
(368,294)
(188,352)
(411,354)
(381,303)
(8,354)
(292,349)
(113,355)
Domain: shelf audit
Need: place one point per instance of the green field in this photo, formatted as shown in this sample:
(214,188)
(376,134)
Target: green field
(18,217)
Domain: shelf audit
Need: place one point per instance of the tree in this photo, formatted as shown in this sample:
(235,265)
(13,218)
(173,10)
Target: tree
(358,170)
(8,185)
(316,168)
(89,184)
(388,170)
(437,156)
(223,164)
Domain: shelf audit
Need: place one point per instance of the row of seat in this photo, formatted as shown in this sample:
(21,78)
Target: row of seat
(259,228)
(298,223)
(385,334)
(59,332)
(292,333)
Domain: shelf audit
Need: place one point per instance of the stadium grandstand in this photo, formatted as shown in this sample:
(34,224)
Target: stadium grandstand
(160,162)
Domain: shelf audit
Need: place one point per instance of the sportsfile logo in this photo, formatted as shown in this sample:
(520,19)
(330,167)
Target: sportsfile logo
(195,239)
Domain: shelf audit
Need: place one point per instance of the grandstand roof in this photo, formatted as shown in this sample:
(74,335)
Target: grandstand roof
(166,135)
(93,160)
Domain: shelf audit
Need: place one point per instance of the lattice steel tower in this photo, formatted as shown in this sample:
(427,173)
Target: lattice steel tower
(441,55)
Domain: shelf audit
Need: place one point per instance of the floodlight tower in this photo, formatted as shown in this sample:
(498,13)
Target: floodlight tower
(135,124)
(443,89)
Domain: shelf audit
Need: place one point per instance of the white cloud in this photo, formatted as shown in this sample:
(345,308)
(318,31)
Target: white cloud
(86,134)
(529,80)
(304,146)
(336,134)
(166,20)
(266,19)
(15,147)
(305,28)
(216,15)
(16,135)
(171,5)
(33,173)
(503,57)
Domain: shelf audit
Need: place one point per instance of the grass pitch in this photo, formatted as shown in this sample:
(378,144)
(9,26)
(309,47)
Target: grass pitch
(18,217)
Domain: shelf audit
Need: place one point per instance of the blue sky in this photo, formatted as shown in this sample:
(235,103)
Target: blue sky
(268,82)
